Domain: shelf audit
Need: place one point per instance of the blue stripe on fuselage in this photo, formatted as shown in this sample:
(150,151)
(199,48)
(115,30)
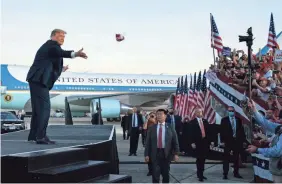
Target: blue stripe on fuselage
(13,84)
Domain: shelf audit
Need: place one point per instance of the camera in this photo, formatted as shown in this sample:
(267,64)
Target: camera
(248,39)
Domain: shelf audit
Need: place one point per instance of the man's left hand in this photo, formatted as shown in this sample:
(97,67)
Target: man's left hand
(176,158)
(251,149)
(65,68)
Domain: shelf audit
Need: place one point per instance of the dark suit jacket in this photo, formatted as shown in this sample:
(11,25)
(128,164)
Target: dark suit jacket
(195,131)
(48,64)
(124,122)
(171,142)
(226,132)
(177,121)
(129,121)
(95,119)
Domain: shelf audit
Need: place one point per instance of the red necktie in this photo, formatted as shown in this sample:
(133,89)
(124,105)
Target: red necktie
(202,129)
(160,137)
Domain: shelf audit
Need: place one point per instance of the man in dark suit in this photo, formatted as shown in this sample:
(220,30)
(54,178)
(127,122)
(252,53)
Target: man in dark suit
(233,137)
(45,70)
(161,146)
(95,118)
(124,126)
(135,124)
(199,137)
(176,123)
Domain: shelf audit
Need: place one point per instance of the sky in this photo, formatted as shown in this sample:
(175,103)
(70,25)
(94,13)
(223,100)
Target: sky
(161,36)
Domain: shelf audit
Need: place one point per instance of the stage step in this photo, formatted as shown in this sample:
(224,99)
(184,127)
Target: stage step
(75,172)
(53,157)
(110,178)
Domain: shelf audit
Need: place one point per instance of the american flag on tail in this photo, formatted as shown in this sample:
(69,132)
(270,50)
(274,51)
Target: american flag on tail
(177,95)
(216,41)
(184,99)
(272,41)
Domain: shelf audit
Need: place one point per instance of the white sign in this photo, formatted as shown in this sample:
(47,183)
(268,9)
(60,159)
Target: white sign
(211,76)
(278,56)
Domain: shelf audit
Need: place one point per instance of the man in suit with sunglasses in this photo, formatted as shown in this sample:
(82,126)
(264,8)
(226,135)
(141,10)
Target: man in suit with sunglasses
(232,137)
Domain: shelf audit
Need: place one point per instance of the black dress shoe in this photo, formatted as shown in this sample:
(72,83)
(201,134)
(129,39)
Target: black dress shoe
(48,140)
(205,178)
(225,177)
(201,179)
(149,174)
(130,154)
(135,154)
(42,141)
(238,176)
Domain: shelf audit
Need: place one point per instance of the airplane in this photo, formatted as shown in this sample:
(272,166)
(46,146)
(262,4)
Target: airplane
(118,92)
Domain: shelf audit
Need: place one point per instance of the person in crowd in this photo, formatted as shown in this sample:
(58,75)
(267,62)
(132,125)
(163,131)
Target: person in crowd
(161,146)
(151,120)
(199,135)
(175,120)
(124,126)
(232,136)
(135,125)
(143,113)
(187,149)
(95,118)
(274,152)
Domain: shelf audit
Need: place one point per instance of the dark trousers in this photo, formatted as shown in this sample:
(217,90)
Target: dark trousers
(143,137)
(134,138)
(150,167)
(202,149)
(124,134)
(40,104)
(160,167)
(236,148)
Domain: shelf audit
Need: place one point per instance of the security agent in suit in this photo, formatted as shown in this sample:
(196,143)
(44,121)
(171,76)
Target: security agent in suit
(161,146)
(176,123)
(95,118)
(233,137)
(135,124)
(124,126)
(45,70)
(199,137)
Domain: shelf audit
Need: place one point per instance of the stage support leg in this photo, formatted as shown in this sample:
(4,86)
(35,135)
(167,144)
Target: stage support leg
(68,116)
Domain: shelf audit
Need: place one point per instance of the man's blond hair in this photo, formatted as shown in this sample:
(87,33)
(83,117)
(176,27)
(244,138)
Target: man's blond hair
(57,31)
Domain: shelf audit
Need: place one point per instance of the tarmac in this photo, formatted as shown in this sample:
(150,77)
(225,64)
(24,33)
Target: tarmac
(183,172)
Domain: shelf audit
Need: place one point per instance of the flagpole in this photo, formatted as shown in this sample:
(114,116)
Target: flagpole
(212,40)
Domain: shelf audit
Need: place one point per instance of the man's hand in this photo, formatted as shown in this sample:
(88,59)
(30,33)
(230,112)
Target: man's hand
(147,159)
(252,105)
(212,144)
(193,145)
(251,149)
(81,54)
(176,158)
(65,68)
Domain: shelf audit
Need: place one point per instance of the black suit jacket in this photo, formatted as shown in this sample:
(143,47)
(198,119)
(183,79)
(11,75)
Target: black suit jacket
(48,64)
(177,121)
(171,142)
(226,132)
(129,121)
(195,131)
(124,122)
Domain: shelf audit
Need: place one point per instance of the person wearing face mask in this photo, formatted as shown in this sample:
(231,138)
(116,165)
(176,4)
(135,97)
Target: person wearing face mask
(232,137)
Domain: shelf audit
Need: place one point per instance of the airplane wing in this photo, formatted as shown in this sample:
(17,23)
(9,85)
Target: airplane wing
(86,99)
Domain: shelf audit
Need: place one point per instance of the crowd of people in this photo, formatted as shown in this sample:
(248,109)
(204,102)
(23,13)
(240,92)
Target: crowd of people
(194,138)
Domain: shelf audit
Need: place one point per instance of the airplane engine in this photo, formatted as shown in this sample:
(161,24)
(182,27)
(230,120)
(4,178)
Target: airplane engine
(111,108)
